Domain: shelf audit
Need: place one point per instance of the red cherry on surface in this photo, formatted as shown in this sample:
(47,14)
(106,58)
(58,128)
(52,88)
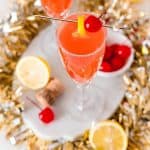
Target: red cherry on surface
(123,51)
(46,115)
(106,67)
(92,24)
(117,63)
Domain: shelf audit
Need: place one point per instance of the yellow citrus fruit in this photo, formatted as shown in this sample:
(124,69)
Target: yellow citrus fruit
(108,135)
(33,72)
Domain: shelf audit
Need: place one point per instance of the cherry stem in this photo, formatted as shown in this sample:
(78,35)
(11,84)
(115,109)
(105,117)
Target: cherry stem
(100,16)
(103,14)
(74,21)
(34,103)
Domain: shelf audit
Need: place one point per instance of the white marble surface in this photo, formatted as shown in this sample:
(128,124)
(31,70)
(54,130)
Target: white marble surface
(67,123)
(5,6)
(6,145)
(4,10)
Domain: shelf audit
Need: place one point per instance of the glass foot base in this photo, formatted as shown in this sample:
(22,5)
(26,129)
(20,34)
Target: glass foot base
(87,108)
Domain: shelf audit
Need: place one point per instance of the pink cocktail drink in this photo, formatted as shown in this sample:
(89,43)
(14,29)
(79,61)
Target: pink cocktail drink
(56,8)
(82,55)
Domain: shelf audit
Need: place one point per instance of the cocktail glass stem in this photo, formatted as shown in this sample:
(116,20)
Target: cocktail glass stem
(82,98)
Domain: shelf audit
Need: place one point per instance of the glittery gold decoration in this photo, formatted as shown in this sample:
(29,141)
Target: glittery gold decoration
(135,1)
(134,111)
(16,33)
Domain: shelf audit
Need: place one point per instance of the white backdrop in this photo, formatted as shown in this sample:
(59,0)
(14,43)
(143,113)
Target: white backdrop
(5,6)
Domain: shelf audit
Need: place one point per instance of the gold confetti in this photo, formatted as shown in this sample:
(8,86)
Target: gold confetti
(145,50)
(21,27)
(135,1)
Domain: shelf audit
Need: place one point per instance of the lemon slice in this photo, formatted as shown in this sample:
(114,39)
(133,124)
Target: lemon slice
(33,72)
(108,135)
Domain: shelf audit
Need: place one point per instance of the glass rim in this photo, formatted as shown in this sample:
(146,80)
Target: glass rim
(80,55)
(62,13)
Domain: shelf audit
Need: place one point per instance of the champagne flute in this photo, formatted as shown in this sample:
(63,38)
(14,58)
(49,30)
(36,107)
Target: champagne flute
(82,57)
(56,9)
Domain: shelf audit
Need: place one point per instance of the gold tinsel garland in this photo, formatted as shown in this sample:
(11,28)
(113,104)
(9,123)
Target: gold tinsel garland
(16,33)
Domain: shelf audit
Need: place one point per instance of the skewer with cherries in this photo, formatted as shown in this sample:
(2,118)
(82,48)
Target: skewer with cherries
(116,55)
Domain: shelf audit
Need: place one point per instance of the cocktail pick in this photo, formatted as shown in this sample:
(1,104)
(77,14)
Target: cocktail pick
(72,20)
(46,115)
(50,18)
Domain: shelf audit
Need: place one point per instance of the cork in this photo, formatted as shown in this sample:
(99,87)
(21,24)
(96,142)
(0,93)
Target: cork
(48,95)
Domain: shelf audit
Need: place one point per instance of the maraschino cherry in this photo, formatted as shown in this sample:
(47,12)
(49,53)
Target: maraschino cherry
(108,53)
(46,115)
(106,67)
(92,24)
(115,57)
(123,51)
(117,63)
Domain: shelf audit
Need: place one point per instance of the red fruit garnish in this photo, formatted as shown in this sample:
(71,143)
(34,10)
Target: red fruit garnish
(113,46)
(108,53)
(106,67)
(46,115)
(117,63)
(93,24)
(123,51)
